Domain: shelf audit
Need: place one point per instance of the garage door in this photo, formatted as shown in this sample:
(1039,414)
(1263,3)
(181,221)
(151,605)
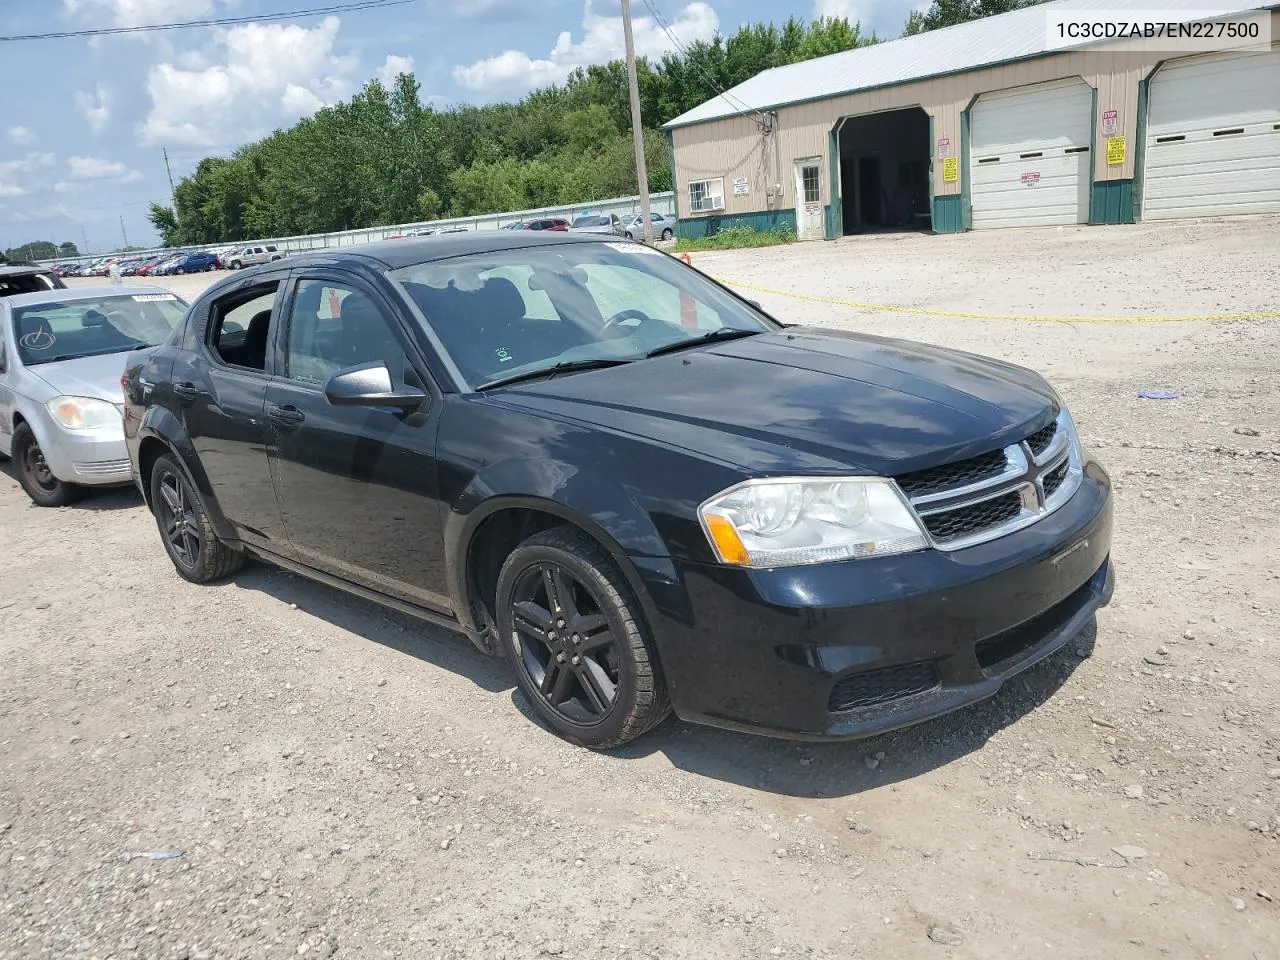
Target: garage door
(1213,137)
(1029,155)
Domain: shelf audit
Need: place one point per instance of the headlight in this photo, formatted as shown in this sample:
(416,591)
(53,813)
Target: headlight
(784,522)
(84,413)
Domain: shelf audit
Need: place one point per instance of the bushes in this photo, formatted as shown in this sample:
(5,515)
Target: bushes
(737,237)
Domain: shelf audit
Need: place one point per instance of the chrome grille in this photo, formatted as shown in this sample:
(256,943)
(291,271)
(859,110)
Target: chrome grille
(951,475)
(1040,440)
(980,498)
(102,468)
(948,525)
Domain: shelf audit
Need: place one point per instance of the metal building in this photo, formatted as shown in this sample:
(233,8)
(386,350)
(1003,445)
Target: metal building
(985,125)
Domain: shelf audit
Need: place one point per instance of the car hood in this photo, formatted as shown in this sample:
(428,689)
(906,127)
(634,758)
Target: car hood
(824,401)
(97,377)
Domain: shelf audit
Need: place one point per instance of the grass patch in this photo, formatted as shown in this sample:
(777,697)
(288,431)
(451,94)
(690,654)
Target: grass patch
(736,238)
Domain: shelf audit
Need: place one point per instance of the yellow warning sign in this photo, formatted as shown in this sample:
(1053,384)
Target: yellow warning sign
(1115,151)
(950,169)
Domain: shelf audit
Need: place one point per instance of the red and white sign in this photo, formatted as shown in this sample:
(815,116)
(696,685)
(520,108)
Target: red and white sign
(1110,123)
(944,147)
(1031,178)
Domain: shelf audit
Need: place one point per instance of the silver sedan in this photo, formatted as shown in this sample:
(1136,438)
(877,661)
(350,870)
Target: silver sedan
(664,226)
(62,353)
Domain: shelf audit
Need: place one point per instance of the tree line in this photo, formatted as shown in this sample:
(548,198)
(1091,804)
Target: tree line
(384,157)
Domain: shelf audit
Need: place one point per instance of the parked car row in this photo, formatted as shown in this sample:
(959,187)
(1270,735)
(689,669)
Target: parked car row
(628,482)
(169,264)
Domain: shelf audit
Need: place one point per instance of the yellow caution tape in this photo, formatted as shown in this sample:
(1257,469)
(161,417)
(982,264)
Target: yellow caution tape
(968,315)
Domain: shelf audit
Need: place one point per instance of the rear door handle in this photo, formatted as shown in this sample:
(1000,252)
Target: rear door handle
(287,415)
(186,391)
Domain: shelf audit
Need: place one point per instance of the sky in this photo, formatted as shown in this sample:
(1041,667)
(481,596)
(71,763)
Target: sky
(84,121)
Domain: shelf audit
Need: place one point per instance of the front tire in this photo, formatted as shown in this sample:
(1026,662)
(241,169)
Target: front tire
(180,271)
(197,553)
(573,635)
(44,489)
(667,234)
(235,265)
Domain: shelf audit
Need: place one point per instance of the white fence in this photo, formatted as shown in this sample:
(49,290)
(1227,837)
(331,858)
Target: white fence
(660,203)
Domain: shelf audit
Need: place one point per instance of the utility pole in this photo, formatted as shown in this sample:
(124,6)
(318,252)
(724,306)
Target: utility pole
(122,233)
(637,128)
(173,194)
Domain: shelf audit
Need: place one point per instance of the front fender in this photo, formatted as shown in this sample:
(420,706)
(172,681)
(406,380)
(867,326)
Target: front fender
(598,504)
(159,423)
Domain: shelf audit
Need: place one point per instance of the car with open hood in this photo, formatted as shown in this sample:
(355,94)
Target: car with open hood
(627,481)
(61,356)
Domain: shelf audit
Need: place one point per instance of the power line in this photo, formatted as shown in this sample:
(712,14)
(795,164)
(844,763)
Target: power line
(740,107)
(353,7)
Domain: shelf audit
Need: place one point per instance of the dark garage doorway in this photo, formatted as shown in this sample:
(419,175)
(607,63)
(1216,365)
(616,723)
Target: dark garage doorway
(885,171)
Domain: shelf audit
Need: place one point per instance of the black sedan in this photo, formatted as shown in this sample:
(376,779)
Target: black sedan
(632,484)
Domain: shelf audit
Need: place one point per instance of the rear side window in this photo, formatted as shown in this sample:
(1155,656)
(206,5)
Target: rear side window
(240,326)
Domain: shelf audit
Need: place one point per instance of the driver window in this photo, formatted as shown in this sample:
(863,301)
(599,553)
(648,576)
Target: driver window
(616,289)
(333,327)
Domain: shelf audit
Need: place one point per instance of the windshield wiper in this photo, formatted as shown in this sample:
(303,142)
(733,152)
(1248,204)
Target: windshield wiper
(566,366)
(724,333)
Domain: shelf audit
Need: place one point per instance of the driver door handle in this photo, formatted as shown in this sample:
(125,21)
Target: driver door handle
(287,415)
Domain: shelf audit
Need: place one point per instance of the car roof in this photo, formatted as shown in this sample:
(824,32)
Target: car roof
(410,251)
(22,269)
(80,293)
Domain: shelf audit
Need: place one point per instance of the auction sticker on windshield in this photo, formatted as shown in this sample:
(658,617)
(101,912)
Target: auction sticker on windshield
(635,248)
(153,297)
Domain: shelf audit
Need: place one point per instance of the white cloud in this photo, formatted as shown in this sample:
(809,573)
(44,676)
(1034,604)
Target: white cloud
(601,42)
(96,107)
(132,13)
(491,9)
(94,168)
(392,67)
(10,169)
(31,163)
(847,9)
(22,136)
(257,77)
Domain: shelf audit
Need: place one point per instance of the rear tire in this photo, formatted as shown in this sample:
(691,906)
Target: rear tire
(44,489)
(188,536)
(590,670)
(234,265)
(667,234)
(180,271)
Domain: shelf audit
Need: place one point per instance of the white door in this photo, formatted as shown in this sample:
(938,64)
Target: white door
(1029,155)
(810,220)
(1213,137)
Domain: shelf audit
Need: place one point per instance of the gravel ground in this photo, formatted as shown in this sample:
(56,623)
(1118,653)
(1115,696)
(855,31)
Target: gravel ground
(341,781)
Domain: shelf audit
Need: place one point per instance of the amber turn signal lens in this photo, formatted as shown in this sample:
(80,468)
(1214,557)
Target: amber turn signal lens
(727,541)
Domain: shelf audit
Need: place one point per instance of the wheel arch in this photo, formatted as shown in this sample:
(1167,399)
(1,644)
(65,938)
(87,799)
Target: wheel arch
(160,433)
(484,539)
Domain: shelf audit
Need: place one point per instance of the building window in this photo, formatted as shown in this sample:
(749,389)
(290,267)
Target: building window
(812,185)
(705,195)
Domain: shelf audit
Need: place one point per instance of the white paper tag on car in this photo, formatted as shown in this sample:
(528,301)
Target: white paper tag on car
(635,248)
(152,297)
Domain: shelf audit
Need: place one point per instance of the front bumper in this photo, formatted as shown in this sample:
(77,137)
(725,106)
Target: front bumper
(848,650)
(92,458)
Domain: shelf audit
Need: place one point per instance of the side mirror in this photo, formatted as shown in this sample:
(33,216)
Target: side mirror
(369,385)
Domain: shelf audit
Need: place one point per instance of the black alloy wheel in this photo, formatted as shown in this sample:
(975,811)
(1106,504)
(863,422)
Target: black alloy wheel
(565,644)
(44,489)
(188,535)
(570,629)
(178,522)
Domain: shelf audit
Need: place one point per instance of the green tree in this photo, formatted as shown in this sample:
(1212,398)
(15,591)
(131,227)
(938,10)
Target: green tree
(948,13)
(384,157)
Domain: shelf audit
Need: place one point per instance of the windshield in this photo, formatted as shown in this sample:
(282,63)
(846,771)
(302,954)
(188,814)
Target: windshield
(518,311)
(84,328)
